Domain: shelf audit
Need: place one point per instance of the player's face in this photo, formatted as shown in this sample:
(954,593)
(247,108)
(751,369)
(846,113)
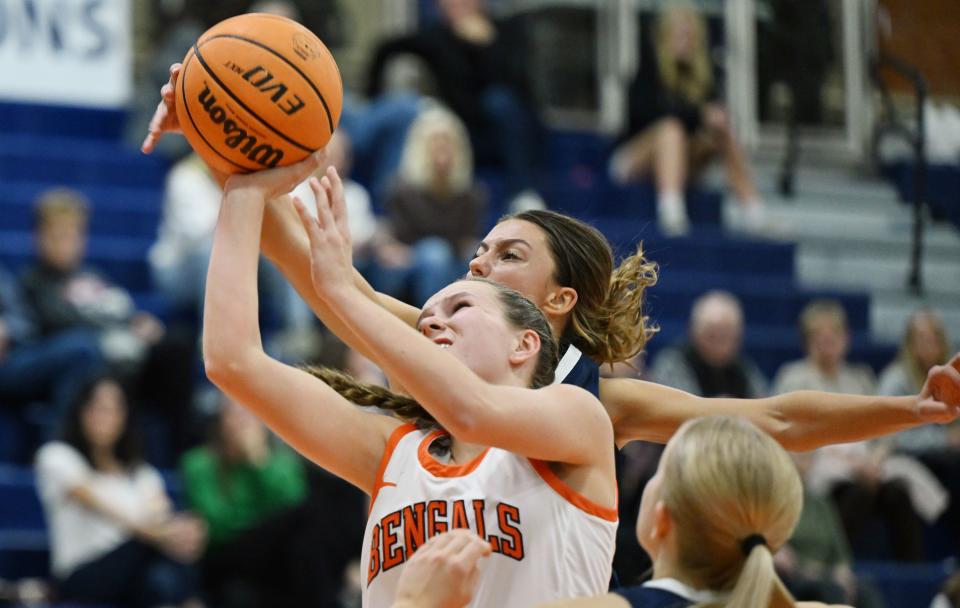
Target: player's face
(467,320)
(516,254)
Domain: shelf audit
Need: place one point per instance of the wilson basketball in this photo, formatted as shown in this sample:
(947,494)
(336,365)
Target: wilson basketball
(258,91)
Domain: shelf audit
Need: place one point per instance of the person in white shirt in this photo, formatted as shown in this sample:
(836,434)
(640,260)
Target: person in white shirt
(114,536)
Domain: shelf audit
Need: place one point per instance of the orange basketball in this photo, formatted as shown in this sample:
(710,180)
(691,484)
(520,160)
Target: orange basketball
(258,91)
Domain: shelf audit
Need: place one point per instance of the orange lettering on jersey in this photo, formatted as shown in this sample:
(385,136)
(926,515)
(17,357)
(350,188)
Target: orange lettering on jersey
(509,519)
(374,569)
(435,510)
(478,506)
(414,527)
(392,550)
(459,519)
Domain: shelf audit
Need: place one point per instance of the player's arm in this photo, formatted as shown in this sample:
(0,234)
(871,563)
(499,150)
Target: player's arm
(305,412)
(801,420)
(282,239)
(558,423)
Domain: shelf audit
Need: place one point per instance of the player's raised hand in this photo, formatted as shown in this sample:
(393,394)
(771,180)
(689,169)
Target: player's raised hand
(444,572)
(164,118)
(331,256)
(939,401)
(272,183)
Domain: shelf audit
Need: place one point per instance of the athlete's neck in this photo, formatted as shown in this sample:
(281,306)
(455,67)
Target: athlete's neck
(667,565)
(462,452)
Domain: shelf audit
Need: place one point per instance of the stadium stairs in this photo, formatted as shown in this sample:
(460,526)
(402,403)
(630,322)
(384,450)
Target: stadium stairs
(41,147)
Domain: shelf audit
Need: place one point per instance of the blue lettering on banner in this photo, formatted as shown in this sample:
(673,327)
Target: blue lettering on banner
(74,28)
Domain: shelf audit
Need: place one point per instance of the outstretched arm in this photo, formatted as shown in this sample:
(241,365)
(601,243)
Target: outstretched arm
(556,423)
(801,420)
(305,412)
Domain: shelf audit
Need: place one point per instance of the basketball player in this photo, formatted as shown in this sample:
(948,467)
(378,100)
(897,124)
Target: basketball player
(724,499)
(566,268)
(528,470)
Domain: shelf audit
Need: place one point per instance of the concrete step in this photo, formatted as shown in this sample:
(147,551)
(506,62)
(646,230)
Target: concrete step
(853,234)
(837,184)
(838,265)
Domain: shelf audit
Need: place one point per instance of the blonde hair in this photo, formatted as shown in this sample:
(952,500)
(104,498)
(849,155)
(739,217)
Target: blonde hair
(61,203)
(694,85)
(608,323)
(415,164)
(915,374)
(723,483)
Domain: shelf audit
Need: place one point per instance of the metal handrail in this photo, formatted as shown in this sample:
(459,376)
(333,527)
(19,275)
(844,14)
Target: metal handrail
(917,139)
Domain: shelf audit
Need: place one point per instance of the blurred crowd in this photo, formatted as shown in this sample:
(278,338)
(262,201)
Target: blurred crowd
(236,519)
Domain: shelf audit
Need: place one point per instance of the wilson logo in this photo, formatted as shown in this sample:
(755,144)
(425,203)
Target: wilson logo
(235,136)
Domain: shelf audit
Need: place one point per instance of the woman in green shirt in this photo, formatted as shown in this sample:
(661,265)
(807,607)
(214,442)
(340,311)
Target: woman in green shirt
(263,533)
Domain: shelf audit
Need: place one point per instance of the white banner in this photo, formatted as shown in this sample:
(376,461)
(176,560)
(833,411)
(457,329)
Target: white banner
(76,52)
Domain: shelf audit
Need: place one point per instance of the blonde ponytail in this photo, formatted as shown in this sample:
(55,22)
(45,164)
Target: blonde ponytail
(758,583)
(735,496)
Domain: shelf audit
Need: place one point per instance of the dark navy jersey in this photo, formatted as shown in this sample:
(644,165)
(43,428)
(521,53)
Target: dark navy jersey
(666,593)
(647,597)
(578,369)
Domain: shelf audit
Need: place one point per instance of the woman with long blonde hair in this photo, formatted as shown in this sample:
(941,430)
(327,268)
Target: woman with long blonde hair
(434,208)
(677,123)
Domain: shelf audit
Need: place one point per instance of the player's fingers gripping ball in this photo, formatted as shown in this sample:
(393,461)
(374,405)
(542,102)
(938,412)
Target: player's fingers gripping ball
(258,91)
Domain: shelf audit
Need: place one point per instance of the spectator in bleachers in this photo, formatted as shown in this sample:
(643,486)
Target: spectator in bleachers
(178,259)
(478,66)
(826,338)
(114,535)
(363,223)
(376,130)
(36,368)
(66,294)
(268,546)
(710,363)
(864,480)
(676,122)
(435,209)
(815,562)
(925,344)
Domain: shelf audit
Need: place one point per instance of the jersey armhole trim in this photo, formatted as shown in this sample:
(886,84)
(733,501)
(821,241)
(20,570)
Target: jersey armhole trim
(438,469)
(572,496)
(398,433)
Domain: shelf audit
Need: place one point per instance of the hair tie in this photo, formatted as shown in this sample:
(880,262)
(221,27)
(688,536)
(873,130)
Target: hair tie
(747,544)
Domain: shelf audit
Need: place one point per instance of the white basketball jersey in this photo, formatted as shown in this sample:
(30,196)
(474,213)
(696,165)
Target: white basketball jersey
(548,541)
